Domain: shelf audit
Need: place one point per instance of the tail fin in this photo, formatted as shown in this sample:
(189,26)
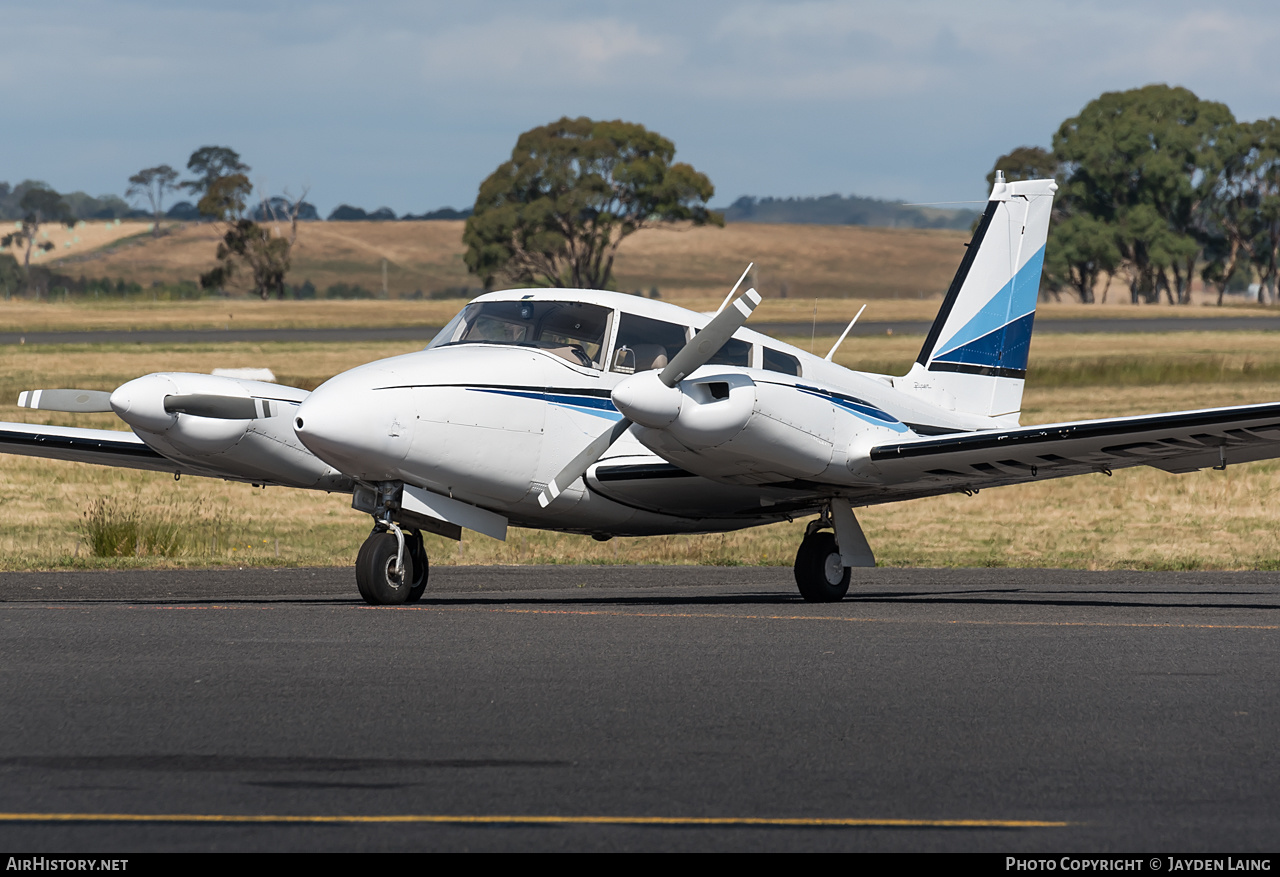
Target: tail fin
(975,357)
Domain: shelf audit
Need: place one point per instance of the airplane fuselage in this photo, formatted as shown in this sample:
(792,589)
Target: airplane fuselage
(490,423)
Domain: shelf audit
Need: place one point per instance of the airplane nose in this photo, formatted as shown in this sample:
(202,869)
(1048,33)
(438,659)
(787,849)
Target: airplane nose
(357,425)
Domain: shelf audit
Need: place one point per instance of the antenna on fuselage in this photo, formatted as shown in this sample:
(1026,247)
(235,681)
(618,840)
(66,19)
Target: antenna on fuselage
(735,287)
(846,333)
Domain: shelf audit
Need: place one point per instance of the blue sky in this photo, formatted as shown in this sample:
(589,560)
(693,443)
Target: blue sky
(411,104)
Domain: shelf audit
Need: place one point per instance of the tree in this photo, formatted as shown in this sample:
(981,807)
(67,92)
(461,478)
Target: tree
(1230,217)
(225,198)
(210,164)
(39,206)
(153,183)
(1025,163)
(1141,161)
(1081,248)
(556,212)
(266,254)
(1265,246)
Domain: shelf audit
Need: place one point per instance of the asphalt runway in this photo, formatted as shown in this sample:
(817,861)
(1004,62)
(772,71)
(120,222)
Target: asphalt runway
(777,329)
(629,708)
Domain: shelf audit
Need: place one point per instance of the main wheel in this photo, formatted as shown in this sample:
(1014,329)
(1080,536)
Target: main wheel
(414,548)
(376,570)
(820,574)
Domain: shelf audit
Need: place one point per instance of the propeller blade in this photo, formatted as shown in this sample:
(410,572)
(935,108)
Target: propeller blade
(78,401)
(708,342)
(579,465)
(218,407)
(694,354)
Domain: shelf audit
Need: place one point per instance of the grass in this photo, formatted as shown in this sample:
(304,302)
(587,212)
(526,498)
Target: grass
(1140,518)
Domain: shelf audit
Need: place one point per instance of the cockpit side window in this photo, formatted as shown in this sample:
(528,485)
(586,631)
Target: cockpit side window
(777,361)
(645,344)
(574,331)
(734,352)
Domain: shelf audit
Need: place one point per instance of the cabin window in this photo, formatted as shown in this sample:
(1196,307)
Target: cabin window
(734,352)
(645,344)
(573,331)
(777,361)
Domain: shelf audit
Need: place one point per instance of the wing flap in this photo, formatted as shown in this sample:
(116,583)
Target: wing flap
(1180,441)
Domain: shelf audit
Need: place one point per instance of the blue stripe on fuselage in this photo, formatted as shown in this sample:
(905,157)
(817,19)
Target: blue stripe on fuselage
(587,404)
(858,407)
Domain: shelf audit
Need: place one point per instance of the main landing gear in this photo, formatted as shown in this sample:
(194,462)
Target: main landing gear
(824,559)
(392,566)
(821,575)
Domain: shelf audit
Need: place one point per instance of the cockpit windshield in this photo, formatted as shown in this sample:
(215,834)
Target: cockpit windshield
(571,330)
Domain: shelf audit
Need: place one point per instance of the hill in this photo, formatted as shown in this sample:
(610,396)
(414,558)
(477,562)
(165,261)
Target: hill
(791,260)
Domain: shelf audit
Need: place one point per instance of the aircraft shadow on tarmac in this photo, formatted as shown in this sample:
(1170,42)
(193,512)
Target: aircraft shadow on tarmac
(979,597)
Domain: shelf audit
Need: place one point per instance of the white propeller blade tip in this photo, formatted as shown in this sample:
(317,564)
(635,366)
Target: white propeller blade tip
(747,303)
(548,495)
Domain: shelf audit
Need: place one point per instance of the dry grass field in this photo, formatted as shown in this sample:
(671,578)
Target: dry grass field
(809,261)
(828,269)
(87,236)
(1140,518)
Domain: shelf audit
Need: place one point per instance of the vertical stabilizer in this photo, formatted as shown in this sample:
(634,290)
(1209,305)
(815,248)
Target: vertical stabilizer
(975,358)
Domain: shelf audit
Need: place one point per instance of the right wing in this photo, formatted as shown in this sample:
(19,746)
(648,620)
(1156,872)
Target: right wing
(1182,441)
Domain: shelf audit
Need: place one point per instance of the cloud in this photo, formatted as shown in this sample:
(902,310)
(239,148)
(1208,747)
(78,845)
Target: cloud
(518,51)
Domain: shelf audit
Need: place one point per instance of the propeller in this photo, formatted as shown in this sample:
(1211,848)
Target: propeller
(692,356)
(211,405)
(218,407)
(77,401)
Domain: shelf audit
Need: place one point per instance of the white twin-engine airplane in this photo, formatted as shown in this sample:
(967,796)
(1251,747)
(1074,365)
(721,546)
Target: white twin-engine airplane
(606,414)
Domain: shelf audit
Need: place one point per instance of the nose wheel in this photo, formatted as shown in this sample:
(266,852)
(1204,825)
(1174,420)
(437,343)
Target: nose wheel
(388,575)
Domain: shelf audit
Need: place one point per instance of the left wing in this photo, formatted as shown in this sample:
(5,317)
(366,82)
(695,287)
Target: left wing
(211,425)
(103,446)
(1181,441)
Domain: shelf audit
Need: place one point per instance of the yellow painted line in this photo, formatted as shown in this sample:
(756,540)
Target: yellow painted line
(433,819)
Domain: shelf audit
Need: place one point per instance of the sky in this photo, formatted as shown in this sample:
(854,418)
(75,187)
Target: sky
(411,105)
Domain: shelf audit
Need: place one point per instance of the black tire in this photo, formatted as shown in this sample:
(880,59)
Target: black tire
(820,575)
(375,570)
(421,568)
(362,567)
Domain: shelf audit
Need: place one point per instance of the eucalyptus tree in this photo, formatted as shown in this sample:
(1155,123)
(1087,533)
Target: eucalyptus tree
(573,190)
(153,183)
(1142,161)
(1265,244)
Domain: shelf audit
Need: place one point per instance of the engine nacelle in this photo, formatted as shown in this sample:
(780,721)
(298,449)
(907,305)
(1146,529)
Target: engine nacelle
(733,428)
(260,448)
